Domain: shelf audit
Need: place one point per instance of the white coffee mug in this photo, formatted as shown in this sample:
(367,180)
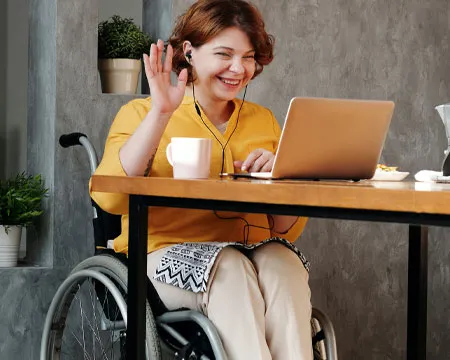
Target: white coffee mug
(189,157)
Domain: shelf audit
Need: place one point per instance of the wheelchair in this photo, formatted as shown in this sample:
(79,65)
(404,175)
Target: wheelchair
(87,318)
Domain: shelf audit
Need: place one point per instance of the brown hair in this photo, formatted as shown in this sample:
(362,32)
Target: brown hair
(206,18)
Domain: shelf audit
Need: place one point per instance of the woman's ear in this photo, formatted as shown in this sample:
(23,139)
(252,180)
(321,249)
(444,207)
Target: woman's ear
(187,50)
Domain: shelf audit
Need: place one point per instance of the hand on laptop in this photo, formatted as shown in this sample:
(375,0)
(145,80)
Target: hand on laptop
(259,160)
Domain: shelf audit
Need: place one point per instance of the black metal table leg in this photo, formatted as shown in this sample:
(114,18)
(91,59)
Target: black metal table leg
(416,347)
(137,278)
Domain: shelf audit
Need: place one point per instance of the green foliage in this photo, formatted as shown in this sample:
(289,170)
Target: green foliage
(20,199)
(120,38)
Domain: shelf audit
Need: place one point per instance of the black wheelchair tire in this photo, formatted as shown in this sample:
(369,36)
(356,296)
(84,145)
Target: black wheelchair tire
(112,268)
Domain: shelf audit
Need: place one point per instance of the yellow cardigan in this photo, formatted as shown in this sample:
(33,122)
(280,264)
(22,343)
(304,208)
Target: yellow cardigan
(256,128)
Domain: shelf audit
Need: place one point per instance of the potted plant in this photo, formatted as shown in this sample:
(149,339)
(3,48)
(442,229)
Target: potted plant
(20,204)
(120,47)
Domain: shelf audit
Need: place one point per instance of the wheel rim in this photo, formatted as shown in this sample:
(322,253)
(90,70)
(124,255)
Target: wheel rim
(90,323)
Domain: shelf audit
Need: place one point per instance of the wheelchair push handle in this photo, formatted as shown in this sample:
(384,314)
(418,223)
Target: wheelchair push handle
(77,138)
(72,139)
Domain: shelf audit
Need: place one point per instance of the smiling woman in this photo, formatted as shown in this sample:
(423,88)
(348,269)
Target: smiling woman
(216,49)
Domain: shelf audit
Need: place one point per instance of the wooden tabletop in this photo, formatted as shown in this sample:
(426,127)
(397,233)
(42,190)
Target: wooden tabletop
(414,197)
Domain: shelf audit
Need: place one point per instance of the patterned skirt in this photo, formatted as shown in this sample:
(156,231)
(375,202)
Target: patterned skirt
(188,265)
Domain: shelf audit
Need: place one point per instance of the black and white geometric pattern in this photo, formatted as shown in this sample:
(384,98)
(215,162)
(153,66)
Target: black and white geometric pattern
(188,265)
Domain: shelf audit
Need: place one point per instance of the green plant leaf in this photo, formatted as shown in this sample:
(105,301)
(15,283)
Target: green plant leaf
(20,199)
(121,38)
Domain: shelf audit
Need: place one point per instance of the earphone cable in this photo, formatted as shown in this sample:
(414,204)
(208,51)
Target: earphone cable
(247,225)
(197,109)
(239,113)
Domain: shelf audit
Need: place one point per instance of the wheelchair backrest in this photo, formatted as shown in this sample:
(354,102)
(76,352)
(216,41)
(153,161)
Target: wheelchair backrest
(106,226)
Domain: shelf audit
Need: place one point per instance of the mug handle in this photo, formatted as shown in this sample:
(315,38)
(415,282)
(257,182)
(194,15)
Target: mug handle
(169,154)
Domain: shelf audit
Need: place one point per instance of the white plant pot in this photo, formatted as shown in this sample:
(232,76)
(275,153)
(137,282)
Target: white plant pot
(9,245)
(119,76)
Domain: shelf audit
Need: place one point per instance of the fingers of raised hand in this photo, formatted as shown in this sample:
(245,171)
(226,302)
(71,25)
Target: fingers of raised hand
(182,80)
(167,68)
(150,65)
(160,51)
(153,63)
(147,66)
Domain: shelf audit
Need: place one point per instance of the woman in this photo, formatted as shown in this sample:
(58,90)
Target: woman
(258,296)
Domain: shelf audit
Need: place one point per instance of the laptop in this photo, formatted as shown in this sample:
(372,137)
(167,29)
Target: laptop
(324,138)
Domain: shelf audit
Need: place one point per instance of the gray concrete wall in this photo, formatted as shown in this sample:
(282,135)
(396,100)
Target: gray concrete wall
(62,97)
(16,86)
(13,86)
(26,292)
(3,45)
(157,18)
(157,22)
(41,118)
(16,93)
(370,49)
(129,9)
(24,300)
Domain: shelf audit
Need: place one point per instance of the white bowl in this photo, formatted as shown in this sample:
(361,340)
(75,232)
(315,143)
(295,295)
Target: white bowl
(381,175)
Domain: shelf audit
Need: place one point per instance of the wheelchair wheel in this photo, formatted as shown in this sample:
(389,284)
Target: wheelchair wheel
(87,317)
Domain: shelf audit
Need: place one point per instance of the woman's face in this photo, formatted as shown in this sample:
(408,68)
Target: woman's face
(224,65)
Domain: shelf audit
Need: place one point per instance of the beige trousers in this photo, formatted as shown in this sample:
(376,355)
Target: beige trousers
(259,304)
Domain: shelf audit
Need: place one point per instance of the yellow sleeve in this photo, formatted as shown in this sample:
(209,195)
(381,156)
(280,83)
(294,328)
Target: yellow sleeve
(125,123)
(296,230)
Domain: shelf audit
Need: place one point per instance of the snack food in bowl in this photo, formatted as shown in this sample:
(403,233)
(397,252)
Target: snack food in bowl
(388,173)
(383,167)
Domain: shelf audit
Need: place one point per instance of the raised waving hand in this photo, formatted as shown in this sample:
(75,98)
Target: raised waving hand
(165,97)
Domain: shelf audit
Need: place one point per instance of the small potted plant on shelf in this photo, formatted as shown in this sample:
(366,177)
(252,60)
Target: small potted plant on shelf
(120,47)
(20,205)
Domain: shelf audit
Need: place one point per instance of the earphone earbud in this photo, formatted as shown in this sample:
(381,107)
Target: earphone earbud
(189,56)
